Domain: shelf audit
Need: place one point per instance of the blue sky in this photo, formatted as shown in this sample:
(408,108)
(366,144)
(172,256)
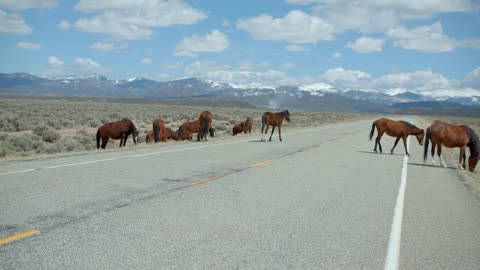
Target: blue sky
(388,45)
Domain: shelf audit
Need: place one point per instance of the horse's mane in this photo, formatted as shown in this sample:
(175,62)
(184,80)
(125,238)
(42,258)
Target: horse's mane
(409,125)
(474,144)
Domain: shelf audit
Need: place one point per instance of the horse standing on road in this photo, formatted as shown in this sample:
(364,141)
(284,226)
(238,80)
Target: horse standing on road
(248,125)
(238,128)
(116,130)
(398,129)
(448,135)
(274,120)
(205,123)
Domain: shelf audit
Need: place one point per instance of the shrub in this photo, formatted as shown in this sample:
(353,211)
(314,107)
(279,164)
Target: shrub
(47,134)
(3,136)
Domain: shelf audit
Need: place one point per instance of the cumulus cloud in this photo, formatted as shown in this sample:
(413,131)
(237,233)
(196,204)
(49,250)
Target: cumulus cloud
(297,48)
(427,38)
(336,55)
(28,46)
(131,20)
(288,65)
(347,79)
(472,79)
(215,41)
(54,61)
(296,27)
(13,24)
(146,61)
(57,67)
(106,47)
(171,65)
(64,25)
(366,45)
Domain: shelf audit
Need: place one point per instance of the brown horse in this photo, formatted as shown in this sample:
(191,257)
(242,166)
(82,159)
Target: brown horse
(166,135)
(158,129)
(443,134)
(248,125)
(205,124)
(238,128)
(274,120)
(398,129)
(187,128)
(116,130)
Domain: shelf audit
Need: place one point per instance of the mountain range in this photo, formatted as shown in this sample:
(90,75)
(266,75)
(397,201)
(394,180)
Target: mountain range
(314,97)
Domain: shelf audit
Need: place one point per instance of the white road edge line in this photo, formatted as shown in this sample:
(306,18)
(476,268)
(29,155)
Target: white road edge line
(142,155)
(393,252)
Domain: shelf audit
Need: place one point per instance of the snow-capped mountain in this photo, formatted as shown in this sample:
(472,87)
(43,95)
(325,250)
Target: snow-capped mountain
(317,96)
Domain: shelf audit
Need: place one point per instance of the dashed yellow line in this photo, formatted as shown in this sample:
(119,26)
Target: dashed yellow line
(262,163)
(208,179)
(17,236)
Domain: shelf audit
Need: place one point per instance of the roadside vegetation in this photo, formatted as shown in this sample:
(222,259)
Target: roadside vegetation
(44,126)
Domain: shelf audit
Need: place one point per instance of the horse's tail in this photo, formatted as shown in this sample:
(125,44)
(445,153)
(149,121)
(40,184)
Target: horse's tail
(98,139)
(156,131)
(206,125)
(373,129)
(427,141)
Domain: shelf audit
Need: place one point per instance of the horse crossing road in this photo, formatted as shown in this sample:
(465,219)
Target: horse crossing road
(321,199)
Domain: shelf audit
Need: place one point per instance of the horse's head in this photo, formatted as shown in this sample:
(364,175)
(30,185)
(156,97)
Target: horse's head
(286,114)
(420,136)
(472,161)
(212,131)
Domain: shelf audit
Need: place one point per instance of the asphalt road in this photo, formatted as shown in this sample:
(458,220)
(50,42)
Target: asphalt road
(318,200)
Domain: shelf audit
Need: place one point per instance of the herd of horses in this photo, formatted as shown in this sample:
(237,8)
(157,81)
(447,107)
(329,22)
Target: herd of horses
(122,129)
(439,134)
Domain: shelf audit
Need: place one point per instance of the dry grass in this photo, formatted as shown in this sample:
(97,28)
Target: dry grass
(39,127)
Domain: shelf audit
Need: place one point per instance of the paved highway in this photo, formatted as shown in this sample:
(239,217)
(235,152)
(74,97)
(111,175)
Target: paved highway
(318,200)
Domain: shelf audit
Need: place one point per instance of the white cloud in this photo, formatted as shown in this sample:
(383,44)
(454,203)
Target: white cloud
(28,46)
(54,61)
(296,27)
(146,61)
(375,16)
(296,48)
(472,79)
(80,65)
(64,25)
(13,24)
(336,55)
(171,65)
(366,45)
(427,38)
(347,79)
(288,65)
(27,4)
(421,80)
(105,47)
(226,23)
(129,19)
(215,41)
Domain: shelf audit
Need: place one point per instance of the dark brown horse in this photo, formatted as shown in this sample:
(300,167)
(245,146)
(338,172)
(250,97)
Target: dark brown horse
(398,129)
(166,135)
(116,130)
(158,129)
(238,128)
(188,128)
(248,125)
(443,134)
(274,120)
(205,124)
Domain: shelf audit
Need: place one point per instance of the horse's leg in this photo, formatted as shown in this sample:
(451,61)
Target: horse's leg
(439,153)
(377,141)
(394,145)
(273,129)
(263,126)
(280,132)
(404,139)
(433,154)
(105,141)
(125,140)
(462,156)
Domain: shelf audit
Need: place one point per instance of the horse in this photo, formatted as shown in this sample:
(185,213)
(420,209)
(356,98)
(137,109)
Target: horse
(186,129)
(238,128)
(205,124)
(448,135)
(248,125)
(116,130)
(166,135)
(274,120)
(398,129)
(158,129)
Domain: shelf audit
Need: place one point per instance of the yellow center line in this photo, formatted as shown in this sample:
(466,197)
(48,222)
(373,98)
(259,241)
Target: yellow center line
(17,236)
(208,179)
(262,163)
